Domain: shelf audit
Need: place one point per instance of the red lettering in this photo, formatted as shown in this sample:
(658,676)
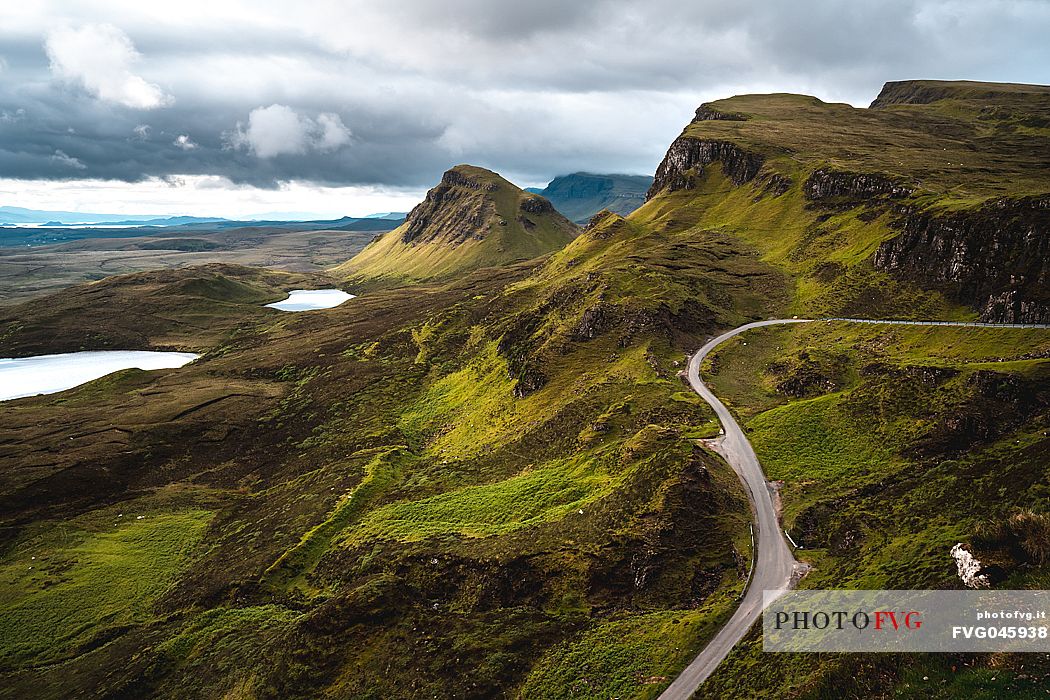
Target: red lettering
(881,615)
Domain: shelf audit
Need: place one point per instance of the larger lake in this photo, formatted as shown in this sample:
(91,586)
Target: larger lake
(310,299)
(47,374)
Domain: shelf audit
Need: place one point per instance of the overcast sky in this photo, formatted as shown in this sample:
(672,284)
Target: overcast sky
(330,107)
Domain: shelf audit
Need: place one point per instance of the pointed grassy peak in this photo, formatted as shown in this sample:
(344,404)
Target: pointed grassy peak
(473,218)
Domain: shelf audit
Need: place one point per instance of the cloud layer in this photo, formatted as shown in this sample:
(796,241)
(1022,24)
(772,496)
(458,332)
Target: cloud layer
(356,93)
(99,57)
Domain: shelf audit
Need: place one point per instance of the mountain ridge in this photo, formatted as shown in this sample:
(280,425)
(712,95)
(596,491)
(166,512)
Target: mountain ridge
(472,218)
(846,183)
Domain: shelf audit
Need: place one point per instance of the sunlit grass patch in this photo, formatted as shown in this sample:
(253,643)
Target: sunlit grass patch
(63,588)
(543,494)
(633,657)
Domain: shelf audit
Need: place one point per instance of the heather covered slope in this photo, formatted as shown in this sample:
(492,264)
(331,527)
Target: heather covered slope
(190,309)
(458,489)
(473,218)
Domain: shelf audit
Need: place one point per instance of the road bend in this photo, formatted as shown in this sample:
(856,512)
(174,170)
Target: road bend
(774,567)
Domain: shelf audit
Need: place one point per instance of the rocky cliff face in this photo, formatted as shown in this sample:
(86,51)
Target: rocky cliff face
(688,154)
(922,92)
(825,184)
(706,112)
(472,218)
(995,258)
(911,92)
(454,209)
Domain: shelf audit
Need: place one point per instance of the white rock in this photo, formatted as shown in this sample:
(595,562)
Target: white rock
(969,568)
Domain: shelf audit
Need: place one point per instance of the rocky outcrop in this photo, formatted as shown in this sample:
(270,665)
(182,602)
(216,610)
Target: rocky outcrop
(912,92)
(536,205)
(922,92)
(774,184)
(605,224)
(995,258)
(706,113)
(455,178)
(995,404)
(471,219)
(452,210)
(687,157)
(594,321)
(825,184)
(600,218)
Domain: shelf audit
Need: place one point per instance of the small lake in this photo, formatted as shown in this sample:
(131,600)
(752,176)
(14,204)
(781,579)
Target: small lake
(310,299)
(48,374)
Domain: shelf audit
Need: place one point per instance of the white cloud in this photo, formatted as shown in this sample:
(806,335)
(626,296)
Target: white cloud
(69,161)
(334,134)
(184,142)
(99,57)
(279,129)
(274,130)
(529,89)
(205,195)
(141,132)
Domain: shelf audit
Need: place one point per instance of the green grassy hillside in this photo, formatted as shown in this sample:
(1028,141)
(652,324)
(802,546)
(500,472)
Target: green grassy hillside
(473,218)
(930,209)
(892,445)
(486,481)
(436,487)
(964,141)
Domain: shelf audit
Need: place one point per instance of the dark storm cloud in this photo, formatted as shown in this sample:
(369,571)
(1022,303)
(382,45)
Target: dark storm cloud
(117,143)
(358,93)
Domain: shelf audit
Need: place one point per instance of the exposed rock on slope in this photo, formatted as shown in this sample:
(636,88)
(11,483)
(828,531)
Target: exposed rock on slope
(995,258)
(687,157)
(473,218)
(706,112)
(922,92)
(449,216)
(829,184)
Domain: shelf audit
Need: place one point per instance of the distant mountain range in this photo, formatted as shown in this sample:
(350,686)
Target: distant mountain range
(23,216)
(580,196)
(55,231)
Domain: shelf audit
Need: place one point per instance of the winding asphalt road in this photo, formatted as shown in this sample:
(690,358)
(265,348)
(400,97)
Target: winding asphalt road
(774,568)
